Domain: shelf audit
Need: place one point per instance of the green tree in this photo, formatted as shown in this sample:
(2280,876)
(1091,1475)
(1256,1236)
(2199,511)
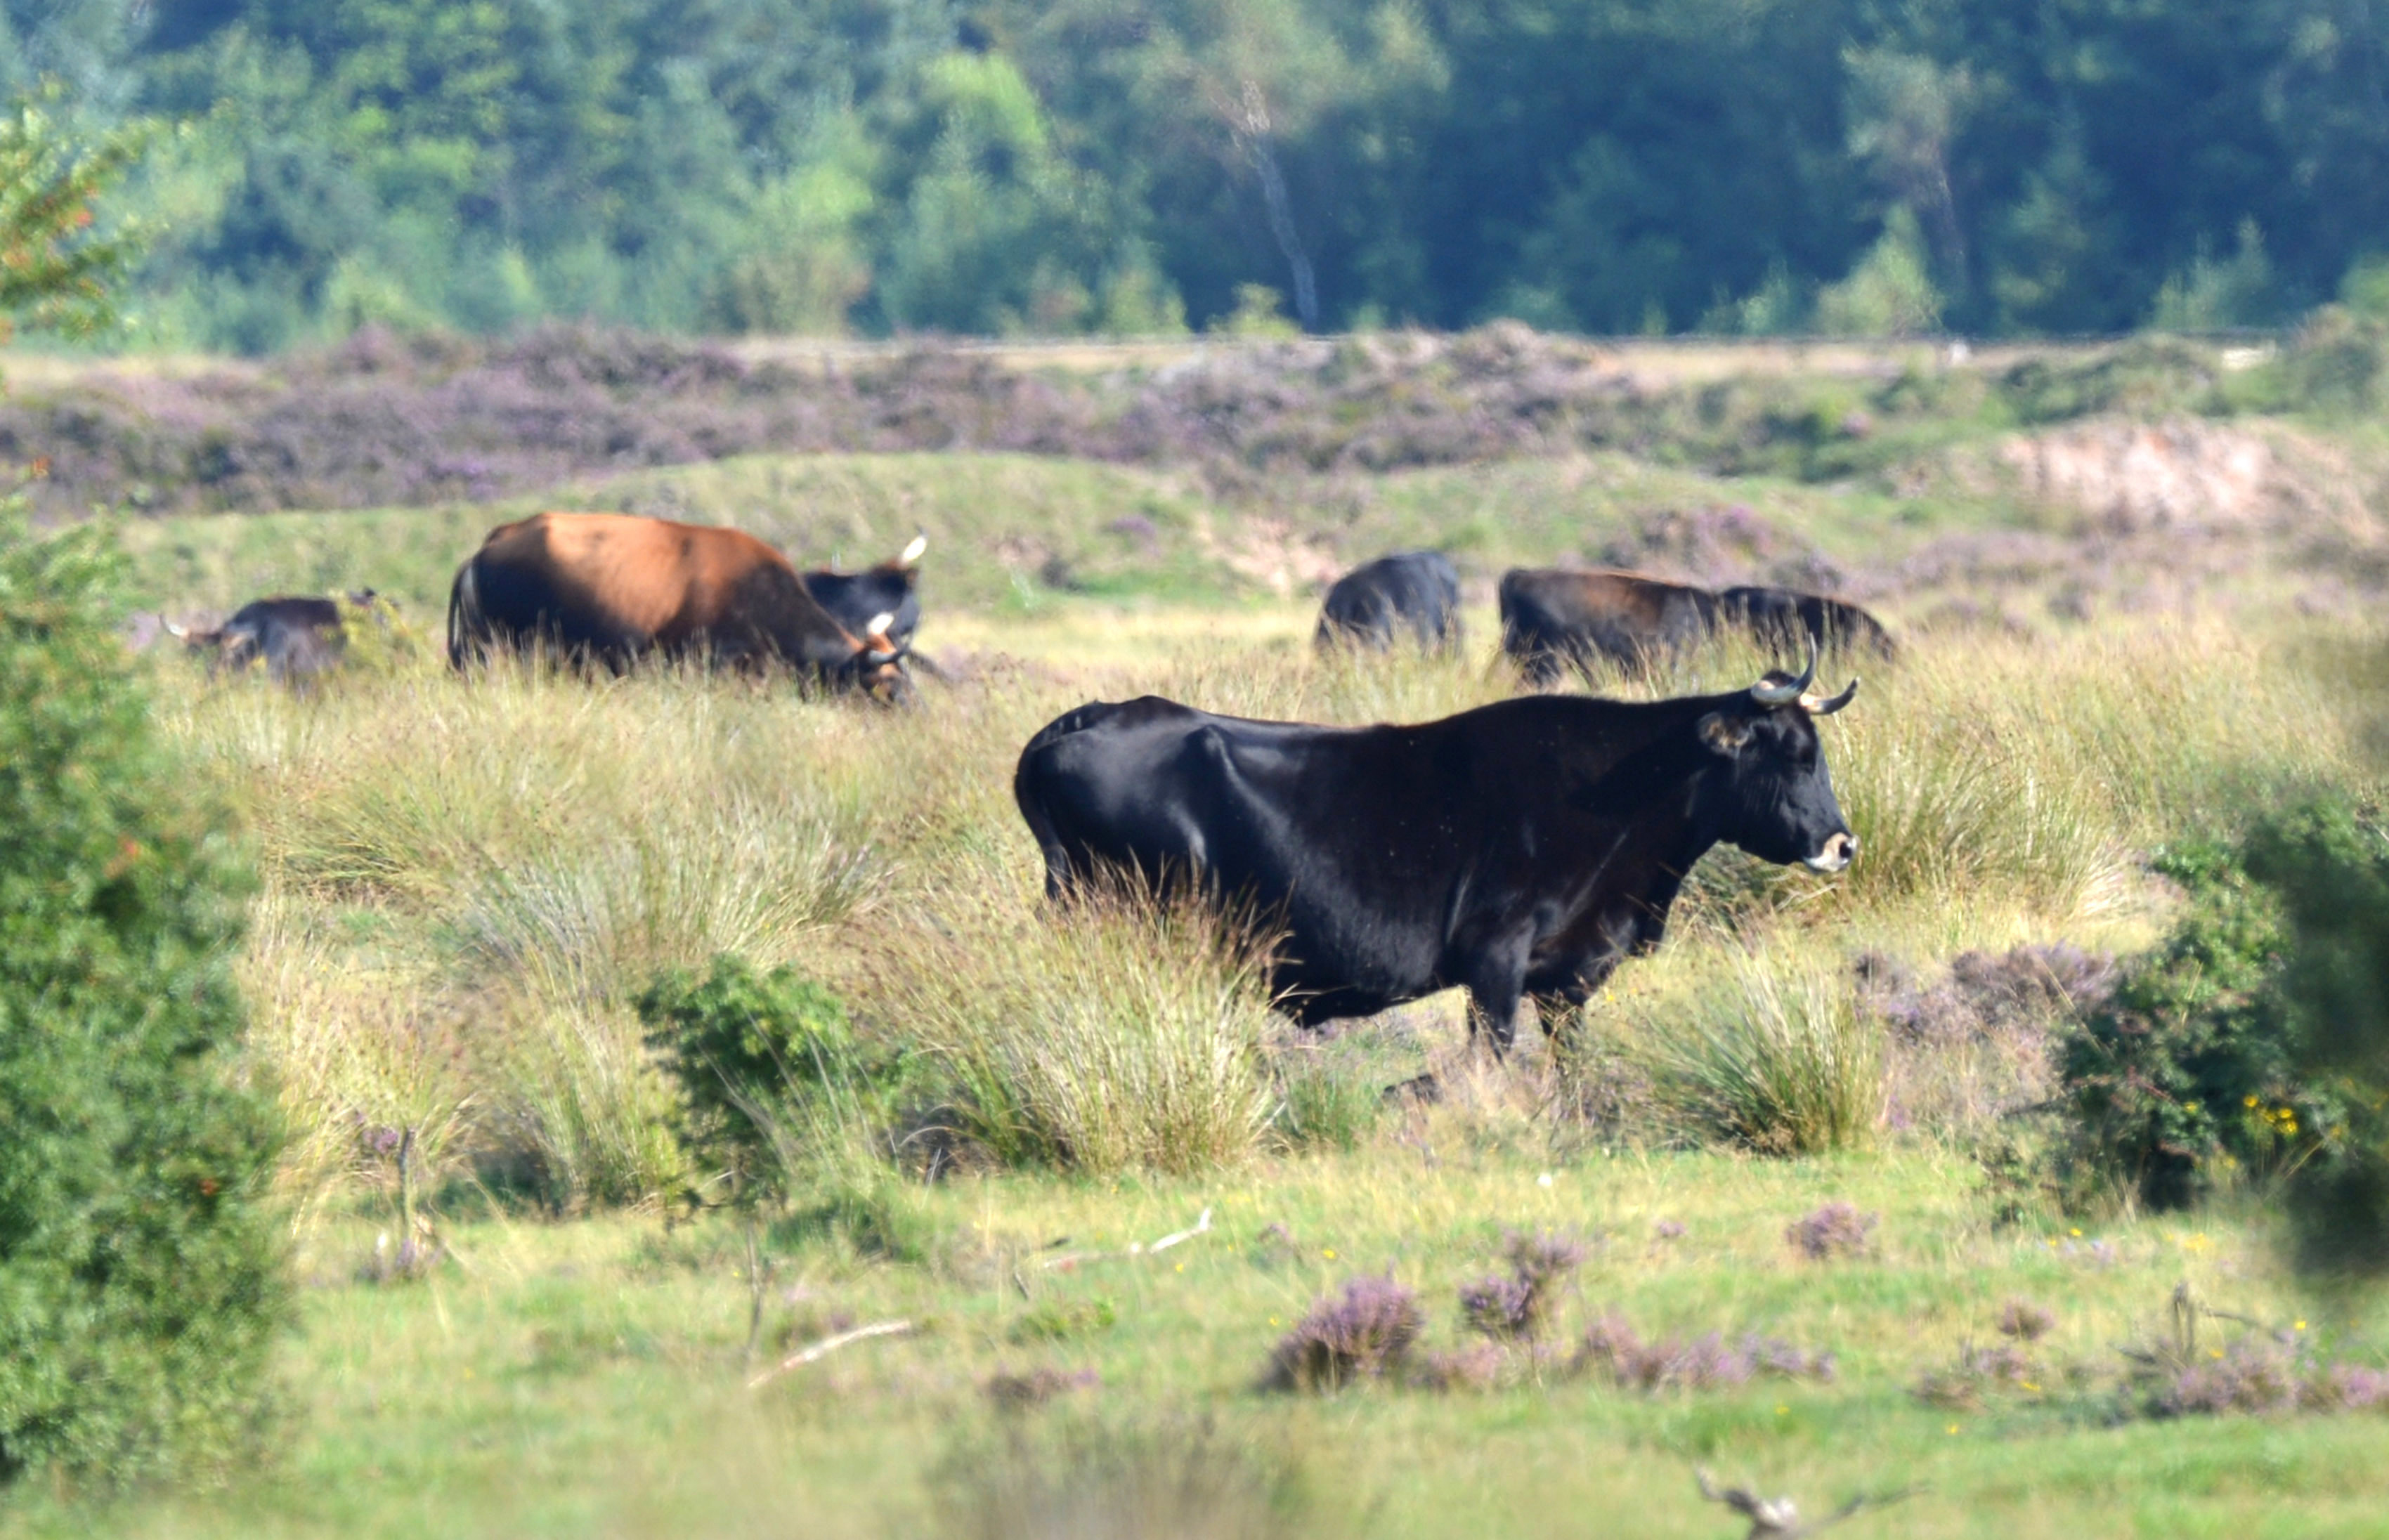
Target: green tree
(141,1282)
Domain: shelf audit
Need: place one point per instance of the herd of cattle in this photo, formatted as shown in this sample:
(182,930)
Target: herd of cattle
(1519,850)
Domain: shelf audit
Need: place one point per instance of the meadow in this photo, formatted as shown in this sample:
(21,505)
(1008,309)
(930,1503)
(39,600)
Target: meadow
(466,884)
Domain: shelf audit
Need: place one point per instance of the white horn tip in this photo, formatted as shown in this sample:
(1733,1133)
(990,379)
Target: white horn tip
(177,632)
(879,624)
(913,552)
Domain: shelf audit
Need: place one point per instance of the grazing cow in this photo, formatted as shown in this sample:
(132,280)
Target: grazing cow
(612,589)
(1783,617)
(1412,591)
(853,599)
(1551,620)
(1522,849)
(298,636)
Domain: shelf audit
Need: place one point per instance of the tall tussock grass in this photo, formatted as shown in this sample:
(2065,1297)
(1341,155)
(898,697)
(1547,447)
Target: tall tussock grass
(469,880)
(1772,1052)
(1111,1033)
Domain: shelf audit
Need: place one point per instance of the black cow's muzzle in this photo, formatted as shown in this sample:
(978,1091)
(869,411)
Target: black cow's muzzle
(1839,849)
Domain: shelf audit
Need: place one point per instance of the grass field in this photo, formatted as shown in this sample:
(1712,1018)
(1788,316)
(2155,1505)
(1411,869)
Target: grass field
(465,884)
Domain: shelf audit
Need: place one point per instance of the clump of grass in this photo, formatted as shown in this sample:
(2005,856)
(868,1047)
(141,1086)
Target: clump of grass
(1366,1333)
(575,1091)
(1331,1095)
(1774,1054)
(1832,1230)
(1116,1033)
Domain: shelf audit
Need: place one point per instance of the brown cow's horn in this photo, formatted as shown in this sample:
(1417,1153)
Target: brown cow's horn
(1821,707)
(913,552)
(876,634)
(1785,694)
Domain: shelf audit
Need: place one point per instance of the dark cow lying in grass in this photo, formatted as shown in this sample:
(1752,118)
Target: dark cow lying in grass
(612,589)
(1551,620)
(1522,849)
(298,636)
(1412,593)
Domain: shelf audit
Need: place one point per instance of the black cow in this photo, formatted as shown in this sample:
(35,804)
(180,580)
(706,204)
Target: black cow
(1412,591)
(891,588)
(1783,617)
(298,636)
(1521,848)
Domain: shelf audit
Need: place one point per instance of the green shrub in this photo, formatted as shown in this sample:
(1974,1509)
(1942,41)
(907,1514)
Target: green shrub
(141,1279)
(2329,867)
(1775,1054)
(2205,1059)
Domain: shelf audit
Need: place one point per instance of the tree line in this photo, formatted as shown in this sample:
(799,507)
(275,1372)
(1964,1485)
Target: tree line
(881,167)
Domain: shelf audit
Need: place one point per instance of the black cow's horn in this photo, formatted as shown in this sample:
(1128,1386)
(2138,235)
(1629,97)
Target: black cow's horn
(1785,694)
(1816,707)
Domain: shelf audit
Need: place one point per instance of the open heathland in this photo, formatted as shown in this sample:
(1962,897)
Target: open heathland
(1150,1261)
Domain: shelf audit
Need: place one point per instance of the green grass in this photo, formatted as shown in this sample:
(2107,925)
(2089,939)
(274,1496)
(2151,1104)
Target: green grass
(466,883)
(1015,536)
(584,1377)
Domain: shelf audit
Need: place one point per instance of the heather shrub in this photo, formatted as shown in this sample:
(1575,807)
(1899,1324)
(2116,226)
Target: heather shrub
(140,1258)
(1518,1307)
(1367,1333)
(1614,1352)
(1832,1230)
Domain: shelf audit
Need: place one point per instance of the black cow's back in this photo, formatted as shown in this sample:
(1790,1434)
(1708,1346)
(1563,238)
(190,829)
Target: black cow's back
(1416,592)
(1784,617)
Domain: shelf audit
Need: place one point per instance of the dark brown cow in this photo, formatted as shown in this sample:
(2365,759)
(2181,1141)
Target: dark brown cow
(1551,620)
(611,588)
(298,636)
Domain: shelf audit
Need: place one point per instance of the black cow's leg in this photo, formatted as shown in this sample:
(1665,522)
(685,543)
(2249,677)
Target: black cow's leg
(1495,988)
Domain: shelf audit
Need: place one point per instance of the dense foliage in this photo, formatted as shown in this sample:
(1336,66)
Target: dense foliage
(2252,1040)
(1609,165)
(140,1279)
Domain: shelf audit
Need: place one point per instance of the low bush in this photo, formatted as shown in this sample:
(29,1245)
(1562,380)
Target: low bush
(2247,1042)
(1367,1333)
(140,1253)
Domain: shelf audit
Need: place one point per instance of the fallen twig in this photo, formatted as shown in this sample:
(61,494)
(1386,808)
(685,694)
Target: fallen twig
(827,1346)
(1071,1259)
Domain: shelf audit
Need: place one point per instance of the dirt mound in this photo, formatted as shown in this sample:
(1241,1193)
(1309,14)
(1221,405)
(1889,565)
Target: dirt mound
(2184,475)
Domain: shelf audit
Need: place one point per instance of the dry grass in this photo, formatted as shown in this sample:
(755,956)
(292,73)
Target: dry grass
(467,880)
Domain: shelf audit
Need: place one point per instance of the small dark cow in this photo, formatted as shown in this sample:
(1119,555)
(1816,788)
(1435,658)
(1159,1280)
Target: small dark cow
(1551,620)
(1522,849)
(298,636)
(1782,617)
(1413,593)
(611,588)
(891,588)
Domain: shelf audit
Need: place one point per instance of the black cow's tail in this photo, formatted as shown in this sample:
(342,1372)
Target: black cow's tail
(1061,872)
(466,622)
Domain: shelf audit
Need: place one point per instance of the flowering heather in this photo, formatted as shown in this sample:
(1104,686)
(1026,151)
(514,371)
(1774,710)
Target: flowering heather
(1364,1335)
(2026,1321)
(1474,1368)
(1978,1370)
(1611,1350)
(1518,1307)
(2268,1374)
(1836,1230)
(1026,1391)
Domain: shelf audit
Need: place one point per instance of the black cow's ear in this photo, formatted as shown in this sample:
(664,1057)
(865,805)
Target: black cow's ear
(1724,734)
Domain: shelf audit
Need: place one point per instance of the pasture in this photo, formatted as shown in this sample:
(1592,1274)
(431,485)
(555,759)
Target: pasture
(466,884)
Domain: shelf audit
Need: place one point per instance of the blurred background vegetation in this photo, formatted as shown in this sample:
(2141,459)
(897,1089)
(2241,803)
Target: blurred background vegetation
(1143,166)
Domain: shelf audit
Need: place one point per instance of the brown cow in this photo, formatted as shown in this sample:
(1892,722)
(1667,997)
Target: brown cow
(612,589)
(1552,618)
